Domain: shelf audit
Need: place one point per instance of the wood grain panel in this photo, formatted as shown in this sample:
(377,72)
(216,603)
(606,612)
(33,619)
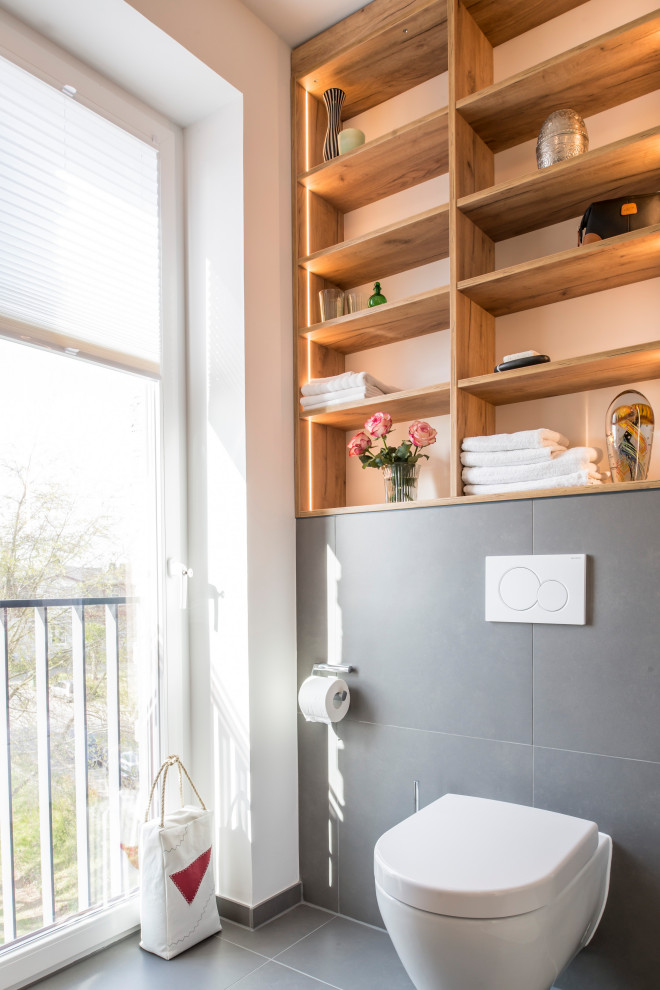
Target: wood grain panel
(586,490)
(474,349)
(501,20)
(620,260)
(311,122)
(432,400)
(472,56)
(380,51)
(474,163)
(475,251)
(407,244)
(610,70)
(403,158)
(414,316)
(321,479)
(563,191)
(637,362)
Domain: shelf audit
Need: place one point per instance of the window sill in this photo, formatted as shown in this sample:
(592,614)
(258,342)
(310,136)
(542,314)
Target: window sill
(36,957)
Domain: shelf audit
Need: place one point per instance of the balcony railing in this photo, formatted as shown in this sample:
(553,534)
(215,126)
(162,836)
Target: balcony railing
(46,711)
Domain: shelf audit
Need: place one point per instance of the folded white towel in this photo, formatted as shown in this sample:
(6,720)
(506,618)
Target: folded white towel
(561,481)
(349,379)
(336,398)
(502,458)
(565,462)
(515,441)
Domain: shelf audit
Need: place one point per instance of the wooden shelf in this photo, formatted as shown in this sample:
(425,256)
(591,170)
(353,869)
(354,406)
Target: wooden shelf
(407,244)
(638,362)
(563,191)
(608,71)
(398,160)
(375,55)
(606,489)
(384,49)
(432,400)
(508,19)
(414,316)
(620,260)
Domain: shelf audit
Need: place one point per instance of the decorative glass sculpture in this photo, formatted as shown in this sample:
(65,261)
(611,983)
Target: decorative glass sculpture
(563,135)
(629,431)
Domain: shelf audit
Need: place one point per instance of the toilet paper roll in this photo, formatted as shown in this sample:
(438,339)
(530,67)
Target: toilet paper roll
(324,699)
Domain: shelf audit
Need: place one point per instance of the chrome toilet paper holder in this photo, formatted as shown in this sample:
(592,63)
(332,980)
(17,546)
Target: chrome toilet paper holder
(332,668)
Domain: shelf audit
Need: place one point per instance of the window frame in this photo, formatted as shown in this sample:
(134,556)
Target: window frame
(36,956)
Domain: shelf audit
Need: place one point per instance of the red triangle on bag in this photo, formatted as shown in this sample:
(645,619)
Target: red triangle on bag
(189,879)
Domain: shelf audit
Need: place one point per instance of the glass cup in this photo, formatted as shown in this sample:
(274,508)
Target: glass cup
(332,303)
(355,301)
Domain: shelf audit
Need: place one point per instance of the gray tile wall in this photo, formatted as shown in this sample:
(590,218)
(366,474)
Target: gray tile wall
(563,717)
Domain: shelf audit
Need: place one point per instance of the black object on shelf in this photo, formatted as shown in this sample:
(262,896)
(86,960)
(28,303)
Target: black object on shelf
(522,362)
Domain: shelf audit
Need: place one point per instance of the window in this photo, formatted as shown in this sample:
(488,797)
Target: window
(90,436)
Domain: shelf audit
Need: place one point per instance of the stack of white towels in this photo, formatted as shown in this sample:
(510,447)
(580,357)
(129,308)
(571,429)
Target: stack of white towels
(526,461)
(349,387)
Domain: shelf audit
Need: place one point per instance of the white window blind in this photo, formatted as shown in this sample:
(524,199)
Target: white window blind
(79,227)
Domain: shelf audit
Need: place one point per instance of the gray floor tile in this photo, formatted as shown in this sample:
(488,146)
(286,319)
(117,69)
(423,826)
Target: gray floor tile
(412,614)
(378,765)
(348,955)
(214,964)
(623,798)
(597,687)
(274,976)
(279,934)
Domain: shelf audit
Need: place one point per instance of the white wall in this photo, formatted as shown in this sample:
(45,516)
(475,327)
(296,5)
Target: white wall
(581,326)
(242,473)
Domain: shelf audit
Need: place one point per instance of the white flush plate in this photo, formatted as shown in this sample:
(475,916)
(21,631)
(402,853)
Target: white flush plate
(538,588)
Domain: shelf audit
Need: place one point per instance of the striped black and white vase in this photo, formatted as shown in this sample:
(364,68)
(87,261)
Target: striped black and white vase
(334,101)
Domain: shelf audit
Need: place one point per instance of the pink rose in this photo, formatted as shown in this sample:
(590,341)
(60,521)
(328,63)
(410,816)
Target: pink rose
(358,444)
(379,425)
(421,434)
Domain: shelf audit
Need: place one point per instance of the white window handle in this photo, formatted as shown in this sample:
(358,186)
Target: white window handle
(176,569)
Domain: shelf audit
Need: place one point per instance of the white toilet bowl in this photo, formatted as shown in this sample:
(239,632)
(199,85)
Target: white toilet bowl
(485,895)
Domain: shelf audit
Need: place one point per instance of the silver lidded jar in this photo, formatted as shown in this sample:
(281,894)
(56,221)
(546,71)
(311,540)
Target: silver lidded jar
(563,135)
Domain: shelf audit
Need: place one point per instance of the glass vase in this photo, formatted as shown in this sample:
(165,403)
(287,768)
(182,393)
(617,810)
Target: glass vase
(401,481)
(629,426)
(334,101)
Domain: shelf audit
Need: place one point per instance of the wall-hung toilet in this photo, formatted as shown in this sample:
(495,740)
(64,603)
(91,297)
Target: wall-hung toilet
(485,895)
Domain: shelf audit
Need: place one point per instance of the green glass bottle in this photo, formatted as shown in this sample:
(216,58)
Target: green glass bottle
(377,297)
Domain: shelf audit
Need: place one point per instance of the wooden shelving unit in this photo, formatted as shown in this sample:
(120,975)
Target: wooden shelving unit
(594,76)
(620,260)
(607,368)
(430,401)
(401,320)
(398,160)
(376,53)
(503,20)
(382,50)
(395,248)
(565,190)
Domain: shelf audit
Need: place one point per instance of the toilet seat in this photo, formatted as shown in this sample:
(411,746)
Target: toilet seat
(469,857)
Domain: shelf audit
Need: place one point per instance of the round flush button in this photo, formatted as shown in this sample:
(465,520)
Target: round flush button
(519,588)
(553,595)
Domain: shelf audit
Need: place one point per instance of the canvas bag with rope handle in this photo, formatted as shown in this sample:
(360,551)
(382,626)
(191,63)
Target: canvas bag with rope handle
(177,888)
